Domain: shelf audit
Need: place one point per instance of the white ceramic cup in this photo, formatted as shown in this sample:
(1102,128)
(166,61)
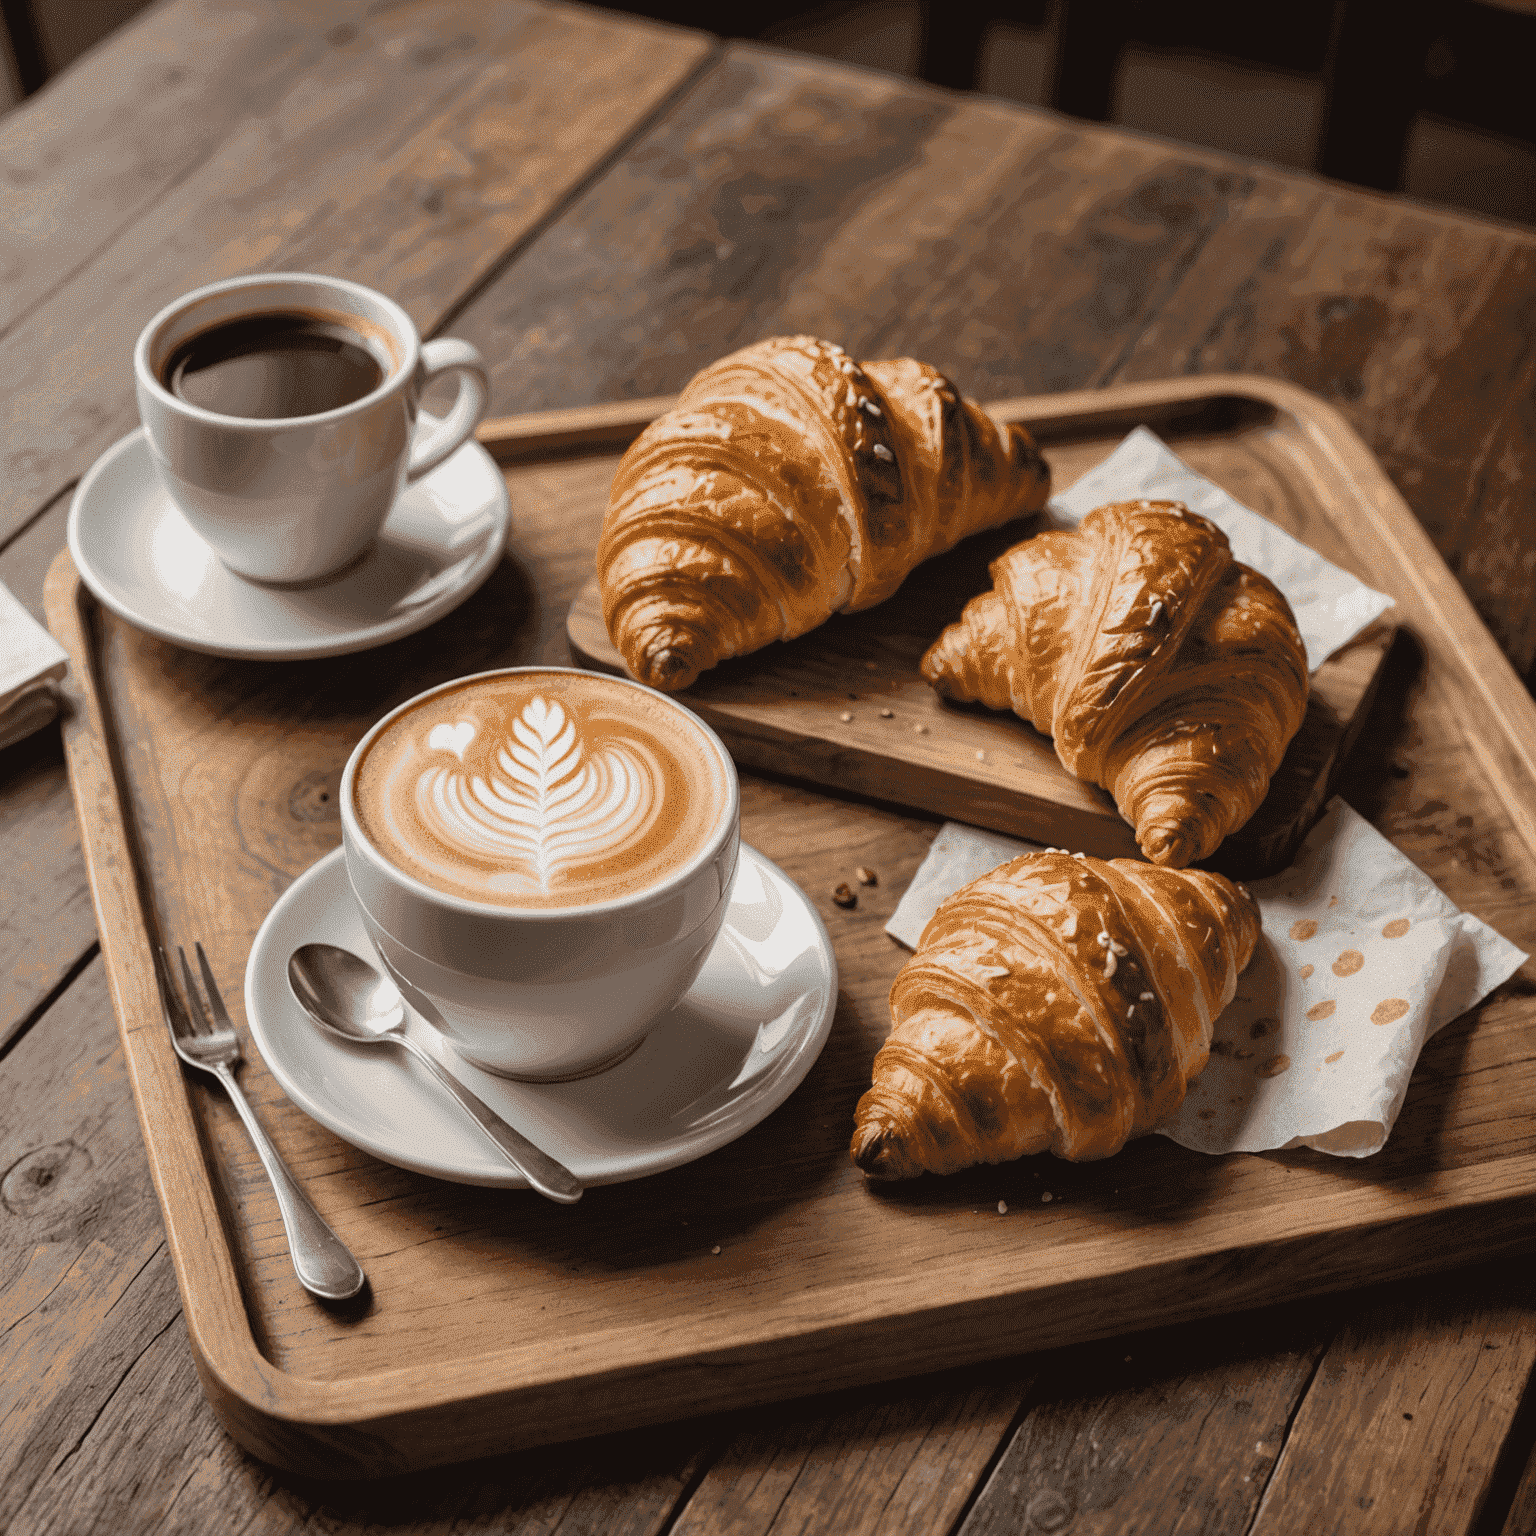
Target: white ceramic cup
(552,993)
(296,498)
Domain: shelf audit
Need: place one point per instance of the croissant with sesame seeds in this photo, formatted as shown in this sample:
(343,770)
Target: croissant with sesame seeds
(1166,671)
(790,483)
(1059,1002)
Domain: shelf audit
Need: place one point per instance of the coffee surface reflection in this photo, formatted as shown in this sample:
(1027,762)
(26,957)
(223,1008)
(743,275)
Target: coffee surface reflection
(540,790)
(272,366)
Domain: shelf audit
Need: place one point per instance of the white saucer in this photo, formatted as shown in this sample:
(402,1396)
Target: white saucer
(724,1058)
(140,557)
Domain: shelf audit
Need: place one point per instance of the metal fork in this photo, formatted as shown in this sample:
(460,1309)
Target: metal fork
(321,1260)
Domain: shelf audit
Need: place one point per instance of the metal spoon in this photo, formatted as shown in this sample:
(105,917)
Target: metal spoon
(347,996)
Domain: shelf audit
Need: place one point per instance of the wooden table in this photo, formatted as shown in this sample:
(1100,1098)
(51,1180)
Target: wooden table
(603,206)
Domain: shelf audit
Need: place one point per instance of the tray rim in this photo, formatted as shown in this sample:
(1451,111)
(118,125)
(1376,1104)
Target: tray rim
(363,1425)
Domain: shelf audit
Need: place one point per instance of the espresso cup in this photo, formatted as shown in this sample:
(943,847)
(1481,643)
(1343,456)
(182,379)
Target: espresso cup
(543,858)
(281,411)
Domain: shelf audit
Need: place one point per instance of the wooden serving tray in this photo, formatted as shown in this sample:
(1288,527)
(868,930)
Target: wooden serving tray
(768,1269)
(846,707)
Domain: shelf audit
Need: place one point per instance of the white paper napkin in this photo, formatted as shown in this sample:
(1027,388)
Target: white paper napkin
(1362,959)
(1330,605)
(31,662)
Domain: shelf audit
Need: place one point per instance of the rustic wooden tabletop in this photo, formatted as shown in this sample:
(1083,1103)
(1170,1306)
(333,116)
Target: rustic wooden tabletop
(603,206)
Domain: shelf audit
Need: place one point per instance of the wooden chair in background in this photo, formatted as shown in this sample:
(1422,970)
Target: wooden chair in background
(1381,63)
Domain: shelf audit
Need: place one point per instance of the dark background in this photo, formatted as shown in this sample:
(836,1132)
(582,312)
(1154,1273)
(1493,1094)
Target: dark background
(1432,98)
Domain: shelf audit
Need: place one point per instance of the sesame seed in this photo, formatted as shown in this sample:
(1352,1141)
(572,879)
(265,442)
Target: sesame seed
(715,1249)
(1046,1198)
(1002,1207)
(882,452)
(885,714)
(845,717)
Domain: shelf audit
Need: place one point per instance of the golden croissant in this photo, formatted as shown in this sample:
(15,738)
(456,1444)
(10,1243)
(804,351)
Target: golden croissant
(1058,1002)
(791,483)
(1167,672)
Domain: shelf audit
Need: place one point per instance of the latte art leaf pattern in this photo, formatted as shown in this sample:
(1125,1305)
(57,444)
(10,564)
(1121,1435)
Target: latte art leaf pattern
(543,803)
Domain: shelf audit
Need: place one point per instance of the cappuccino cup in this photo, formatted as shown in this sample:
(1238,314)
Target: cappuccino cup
(281,410)
(542,858)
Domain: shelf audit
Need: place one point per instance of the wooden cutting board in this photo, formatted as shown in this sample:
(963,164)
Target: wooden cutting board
(846,708)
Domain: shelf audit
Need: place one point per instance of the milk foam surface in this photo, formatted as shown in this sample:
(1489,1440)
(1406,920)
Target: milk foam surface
(540,790)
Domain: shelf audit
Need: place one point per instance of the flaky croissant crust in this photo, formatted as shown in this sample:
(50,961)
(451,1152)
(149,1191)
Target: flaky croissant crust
(1059,1002)
(1166,671)
(789,483)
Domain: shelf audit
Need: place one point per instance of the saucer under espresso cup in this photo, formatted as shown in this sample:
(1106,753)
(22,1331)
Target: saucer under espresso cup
(736,1045)
(542,857)
(143,561)
(280,410)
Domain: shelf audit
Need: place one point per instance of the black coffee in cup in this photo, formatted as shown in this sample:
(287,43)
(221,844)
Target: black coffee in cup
(271,366)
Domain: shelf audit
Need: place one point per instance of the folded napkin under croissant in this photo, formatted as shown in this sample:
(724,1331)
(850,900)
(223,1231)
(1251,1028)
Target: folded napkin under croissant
(1362,957)
(31,662)
(1361,960)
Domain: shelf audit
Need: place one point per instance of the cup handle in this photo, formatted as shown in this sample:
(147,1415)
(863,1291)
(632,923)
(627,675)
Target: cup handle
(437,358)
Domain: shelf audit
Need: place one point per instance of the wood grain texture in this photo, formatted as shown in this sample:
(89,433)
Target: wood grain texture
(1402,1428)
(46,922)
(879,1463)
(1381,1411)
(158,1461)
(1012,250)
(1521,1518)
(87,1287)
(1419,327)
(1171,1433)
(846,706)
(112,135)
(411,159)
